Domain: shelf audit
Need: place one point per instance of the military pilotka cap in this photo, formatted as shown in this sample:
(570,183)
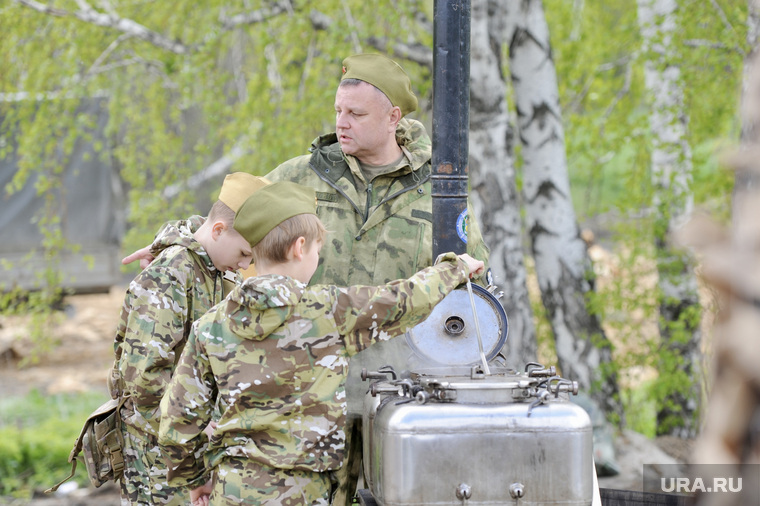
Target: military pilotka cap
(238,186)
(272,205)
(385,75)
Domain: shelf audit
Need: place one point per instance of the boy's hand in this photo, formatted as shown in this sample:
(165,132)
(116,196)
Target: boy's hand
(143,255)
(475,266)
(200,496)
(209,429)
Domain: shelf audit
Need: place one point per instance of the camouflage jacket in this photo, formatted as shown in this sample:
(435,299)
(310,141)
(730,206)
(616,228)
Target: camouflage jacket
(379,230)
(275,356)
(161,303)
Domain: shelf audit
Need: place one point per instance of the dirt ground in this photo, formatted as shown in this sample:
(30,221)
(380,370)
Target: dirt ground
(84,354)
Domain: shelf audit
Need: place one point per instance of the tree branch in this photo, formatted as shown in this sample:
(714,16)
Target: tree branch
(124,25)
(257,16)
(415,52)
(713,45)
(106,53)
(352,24)
(216,168)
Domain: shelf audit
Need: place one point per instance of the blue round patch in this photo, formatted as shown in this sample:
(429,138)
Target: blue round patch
(462,226)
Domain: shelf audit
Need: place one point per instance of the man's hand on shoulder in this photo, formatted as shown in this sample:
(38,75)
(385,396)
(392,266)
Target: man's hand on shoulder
(143,255)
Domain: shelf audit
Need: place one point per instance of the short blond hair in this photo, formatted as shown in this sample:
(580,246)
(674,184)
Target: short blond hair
(273,248)
(221,212)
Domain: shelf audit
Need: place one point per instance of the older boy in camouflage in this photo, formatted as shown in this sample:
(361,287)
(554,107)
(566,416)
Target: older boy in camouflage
(192,272)
(275,355)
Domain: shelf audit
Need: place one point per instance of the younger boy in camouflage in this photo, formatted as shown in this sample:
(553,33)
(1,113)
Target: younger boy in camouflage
(191,273)
(275,355)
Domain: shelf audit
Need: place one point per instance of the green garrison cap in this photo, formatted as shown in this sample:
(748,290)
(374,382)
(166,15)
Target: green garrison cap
(270,206)
(385,75)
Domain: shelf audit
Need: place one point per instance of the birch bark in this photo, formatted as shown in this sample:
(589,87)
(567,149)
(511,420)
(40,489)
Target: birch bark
(563,267)
(493,188)
(679,359)
(747,180)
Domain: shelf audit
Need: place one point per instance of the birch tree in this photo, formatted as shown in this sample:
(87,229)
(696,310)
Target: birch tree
(493,178)
(750,134)
(680,357)
(563,267)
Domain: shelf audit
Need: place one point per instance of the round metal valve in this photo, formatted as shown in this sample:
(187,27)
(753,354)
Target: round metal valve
(448,336)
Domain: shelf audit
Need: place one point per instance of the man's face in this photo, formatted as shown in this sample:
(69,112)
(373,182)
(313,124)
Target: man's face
(363,121)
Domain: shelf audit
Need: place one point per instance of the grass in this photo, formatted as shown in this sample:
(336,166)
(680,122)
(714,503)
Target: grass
(640,410)
(37,433)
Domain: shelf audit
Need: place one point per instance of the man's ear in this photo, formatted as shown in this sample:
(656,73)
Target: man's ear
(395,117)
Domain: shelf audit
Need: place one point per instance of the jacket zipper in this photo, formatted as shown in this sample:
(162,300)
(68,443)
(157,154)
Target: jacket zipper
(369,202)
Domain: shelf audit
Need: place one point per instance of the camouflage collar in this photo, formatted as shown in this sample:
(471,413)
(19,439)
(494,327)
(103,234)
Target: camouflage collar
(410,135)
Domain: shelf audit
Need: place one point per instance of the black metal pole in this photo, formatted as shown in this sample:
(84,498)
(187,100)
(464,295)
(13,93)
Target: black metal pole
(451,122)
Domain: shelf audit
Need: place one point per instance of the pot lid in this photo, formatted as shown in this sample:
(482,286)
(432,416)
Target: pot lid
(449,336)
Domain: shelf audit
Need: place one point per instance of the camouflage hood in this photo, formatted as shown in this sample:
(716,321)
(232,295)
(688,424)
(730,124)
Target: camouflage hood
(262,304)
(412,137)
(180,234)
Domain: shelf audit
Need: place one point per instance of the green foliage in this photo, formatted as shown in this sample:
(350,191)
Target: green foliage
(37,434)
(640,410)
(599,57)
(264,88)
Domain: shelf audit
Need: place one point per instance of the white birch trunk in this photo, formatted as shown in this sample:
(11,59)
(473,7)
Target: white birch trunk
(680,358)
(563,267)
(493,188)
(747,180)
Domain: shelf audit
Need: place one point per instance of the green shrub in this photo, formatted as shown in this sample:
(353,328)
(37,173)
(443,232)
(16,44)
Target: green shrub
(37,433)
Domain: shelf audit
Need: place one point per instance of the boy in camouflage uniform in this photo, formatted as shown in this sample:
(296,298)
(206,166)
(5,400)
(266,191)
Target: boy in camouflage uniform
(191,273)
(275,355)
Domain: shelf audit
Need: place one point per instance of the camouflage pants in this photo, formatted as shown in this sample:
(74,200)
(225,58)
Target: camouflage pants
(144,479)
(242,481)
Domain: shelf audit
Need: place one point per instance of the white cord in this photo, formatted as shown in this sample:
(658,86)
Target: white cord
(477,330)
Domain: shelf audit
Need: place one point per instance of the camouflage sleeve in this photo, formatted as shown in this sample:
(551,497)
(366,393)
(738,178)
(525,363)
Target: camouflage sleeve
(367,314)
(186,409)
(155,328)
(476,247)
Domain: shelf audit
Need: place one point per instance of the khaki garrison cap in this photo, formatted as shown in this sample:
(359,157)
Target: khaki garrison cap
(272,205)
(238,186)
(385,75)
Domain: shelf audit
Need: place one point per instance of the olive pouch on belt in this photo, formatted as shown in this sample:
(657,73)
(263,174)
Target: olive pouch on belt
(102,443)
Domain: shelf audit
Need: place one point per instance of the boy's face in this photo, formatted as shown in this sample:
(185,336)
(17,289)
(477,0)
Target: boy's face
(229,250)
(308,265)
